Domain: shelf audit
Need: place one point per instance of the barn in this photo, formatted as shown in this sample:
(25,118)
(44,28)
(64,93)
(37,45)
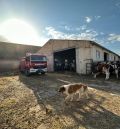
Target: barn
(75,55)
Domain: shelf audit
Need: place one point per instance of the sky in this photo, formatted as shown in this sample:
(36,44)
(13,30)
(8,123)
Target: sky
(36,21)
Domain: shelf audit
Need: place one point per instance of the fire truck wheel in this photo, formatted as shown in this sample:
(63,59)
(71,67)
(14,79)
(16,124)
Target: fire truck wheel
(43,73)
(21,72)
(27,73)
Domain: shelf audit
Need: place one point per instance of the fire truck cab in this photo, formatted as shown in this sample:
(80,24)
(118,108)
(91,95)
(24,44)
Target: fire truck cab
(33,63)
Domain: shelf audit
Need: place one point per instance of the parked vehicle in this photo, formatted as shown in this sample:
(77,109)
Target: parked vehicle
(33,63)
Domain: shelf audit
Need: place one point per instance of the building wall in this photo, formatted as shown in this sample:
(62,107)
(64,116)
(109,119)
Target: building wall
(83,56)
(112,56)
(82,52)
(94,49)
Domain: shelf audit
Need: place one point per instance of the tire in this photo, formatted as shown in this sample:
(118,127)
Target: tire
(27,73)
(43,73)
(21,72)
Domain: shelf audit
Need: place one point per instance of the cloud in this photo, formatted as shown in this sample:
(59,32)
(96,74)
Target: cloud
(81,28)
(117,4)
(53,33)
(114,37)
(97,17)
(86,35)
(87,31)
(88,19)
(67,28)
(111,34)
(101,33)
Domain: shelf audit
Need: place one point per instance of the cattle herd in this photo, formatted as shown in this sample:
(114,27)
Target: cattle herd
(107,68)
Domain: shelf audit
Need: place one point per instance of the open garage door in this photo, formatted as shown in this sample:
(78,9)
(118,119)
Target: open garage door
(65,60)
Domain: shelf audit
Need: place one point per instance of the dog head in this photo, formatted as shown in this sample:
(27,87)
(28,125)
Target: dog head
(61,89)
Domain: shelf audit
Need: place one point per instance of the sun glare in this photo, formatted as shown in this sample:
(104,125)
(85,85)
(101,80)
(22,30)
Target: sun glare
(18,31)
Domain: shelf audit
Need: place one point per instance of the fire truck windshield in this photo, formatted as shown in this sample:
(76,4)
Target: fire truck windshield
(38,58)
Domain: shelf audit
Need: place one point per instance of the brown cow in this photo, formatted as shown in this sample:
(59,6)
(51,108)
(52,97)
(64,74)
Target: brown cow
(101,68)
(106,68)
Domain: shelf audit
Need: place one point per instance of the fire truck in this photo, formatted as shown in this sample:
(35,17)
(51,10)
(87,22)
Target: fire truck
(33,63)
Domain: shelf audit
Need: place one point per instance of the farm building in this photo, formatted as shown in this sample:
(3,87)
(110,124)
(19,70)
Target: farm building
(76,54)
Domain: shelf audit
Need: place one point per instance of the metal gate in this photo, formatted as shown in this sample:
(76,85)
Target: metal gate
(88,68)
(89,63)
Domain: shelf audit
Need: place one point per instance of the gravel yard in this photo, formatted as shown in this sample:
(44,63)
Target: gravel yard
(34,103)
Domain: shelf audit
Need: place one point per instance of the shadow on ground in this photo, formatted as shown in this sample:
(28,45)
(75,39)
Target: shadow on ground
(87,113)
(9,73)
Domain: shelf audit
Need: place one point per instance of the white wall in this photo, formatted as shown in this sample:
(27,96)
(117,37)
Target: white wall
(50,63)
(94,49)
(82,56)
(93,54)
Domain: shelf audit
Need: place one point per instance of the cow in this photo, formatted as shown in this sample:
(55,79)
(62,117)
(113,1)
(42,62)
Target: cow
(116,67)
(106,68)
(99,68)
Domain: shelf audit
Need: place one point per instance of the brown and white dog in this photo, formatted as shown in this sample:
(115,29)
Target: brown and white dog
(71,89)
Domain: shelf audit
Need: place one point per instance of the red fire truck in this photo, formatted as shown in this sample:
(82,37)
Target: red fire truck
(33,63)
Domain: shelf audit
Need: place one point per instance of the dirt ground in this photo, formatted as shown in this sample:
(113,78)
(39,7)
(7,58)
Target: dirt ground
(34,103)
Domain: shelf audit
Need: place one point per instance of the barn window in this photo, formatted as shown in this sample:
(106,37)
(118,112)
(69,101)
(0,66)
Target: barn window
(97,54)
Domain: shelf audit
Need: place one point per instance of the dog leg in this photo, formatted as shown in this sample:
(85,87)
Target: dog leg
(86,94)
(71,97)
(66,99)
(65,102)
(79,95)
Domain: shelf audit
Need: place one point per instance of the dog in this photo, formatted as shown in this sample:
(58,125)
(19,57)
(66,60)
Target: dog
(72,89)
